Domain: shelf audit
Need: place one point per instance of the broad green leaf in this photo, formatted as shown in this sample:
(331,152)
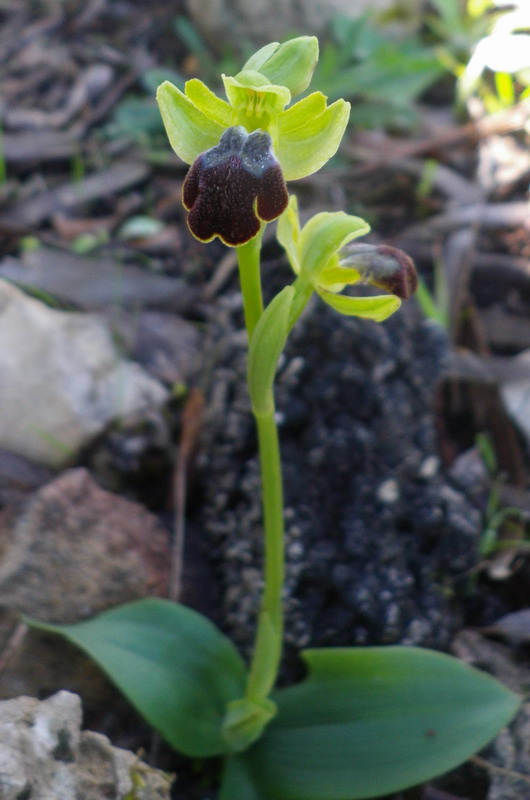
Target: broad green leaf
(304,151)
(377,308)
(371,721)
(266,345)
(189,130)
(172,663)
(236,783)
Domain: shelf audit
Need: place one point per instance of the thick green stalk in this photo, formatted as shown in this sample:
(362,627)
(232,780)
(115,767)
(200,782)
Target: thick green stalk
(248,259)
(268,646)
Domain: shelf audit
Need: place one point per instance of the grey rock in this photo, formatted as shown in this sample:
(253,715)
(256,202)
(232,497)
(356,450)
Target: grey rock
(70,551)
(62,380)
(96,282)
(508,756)
(45,755)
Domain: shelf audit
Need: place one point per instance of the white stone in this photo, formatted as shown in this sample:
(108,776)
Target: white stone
(388,491)
(62,379)
(45,756)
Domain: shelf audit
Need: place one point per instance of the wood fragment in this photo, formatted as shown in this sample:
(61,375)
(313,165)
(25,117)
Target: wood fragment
(12,645)
(192,417)
(507,773)
(33,212)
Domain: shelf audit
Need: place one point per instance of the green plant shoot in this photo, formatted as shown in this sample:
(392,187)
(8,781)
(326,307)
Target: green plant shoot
(365,721)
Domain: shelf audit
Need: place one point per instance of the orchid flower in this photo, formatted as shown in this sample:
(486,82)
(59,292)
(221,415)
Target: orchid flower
(323,264)
(244,149)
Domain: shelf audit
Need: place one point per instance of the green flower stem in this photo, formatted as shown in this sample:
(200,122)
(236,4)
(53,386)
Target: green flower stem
(248,259)
(268,646)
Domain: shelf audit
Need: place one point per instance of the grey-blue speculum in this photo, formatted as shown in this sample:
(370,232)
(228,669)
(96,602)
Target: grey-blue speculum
(233,187)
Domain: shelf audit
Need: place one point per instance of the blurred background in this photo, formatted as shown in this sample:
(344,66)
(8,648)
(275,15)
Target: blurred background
(113,318)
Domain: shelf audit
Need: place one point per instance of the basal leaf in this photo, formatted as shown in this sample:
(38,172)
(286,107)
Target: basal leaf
(172,663)
(236,783)
(367,722)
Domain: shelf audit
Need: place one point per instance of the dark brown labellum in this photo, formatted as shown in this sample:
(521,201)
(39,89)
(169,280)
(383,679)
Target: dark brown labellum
(233,187)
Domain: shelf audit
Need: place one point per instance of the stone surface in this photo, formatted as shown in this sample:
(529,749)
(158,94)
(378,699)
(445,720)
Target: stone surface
(95,282)
(509,754)
(516,397)
(62,379)
(261,21)
(379,540)
(44,755)
(69,552)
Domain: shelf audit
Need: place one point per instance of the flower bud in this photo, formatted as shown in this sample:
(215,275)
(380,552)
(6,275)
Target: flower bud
(384,266)
(290,64)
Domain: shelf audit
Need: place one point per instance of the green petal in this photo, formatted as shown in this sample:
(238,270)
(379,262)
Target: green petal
(256,102)
(303,151)
(377,308)
(335,279)
(208,102)
(298,115)
(288,233)
(189,130)
(322,237)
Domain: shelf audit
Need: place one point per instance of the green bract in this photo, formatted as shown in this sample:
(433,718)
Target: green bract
(304,135)
(313,253)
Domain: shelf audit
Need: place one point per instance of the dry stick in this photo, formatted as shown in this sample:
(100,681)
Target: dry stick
(13,643)
(224,269)
(191,428)
(387,150)
(507,773)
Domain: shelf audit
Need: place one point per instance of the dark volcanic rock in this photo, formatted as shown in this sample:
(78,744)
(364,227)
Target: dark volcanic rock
(379,543)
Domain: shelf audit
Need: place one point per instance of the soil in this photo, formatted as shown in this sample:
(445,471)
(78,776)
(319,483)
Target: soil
(386,493)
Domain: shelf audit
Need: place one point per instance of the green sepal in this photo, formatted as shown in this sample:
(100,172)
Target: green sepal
(376,308)
(321,239)
(292,64)
(368,722)
(302,151)
(189,130)
(256,61)
(245,721)
(295,118)
(266,345)
(173,664)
